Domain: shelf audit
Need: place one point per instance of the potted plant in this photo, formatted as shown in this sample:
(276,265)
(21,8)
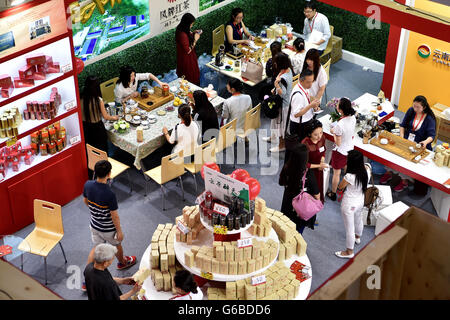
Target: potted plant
(335,116)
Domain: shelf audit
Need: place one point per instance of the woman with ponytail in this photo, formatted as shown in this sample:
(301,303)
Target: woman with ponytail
(354,184)
(343,134)
(185,135)
(186,287)
(298,58)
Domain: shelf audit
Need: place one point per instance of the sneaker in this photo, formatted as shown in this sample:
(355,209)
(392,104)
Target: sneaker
(131,261)
(401,186)
(386,178)
(83,287)
(276,149)
(267,139)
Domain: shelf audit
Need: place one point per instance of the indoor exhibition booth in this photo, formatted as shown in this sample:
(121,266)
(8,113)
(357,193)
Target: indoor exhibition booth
(238,246)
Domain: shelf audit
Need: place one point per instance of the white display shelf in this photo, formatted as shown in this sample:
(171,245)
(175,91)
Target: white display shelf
(210,228)
(206,238)
(59,51)
(72,129)
(67,91)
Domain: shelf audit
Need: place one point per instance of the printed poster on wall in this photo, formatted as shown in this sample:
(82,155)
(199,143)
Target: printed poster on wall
(224,187)
(166,14)
(206,6)
(102,25)
(32,26)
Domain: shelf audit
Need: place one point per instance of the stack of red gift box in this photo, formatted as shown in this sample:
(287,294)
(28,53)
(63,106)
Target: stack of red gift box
(43,110)
(37,68)
(10,157)
(6,86)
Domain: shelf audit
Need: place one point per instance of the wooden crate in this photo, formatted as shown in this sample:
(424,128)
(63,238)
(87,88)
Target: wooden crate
(399,146)
(157,98)
(412,256)
(336,51)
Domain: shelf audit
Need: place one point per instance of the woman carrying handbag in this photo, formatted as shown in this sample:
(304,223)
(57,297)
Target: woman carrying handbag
(291,178)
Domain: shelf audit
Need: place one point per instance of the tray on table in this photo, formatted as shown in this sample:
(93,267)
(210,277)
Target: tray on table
(157,98)
(399,146)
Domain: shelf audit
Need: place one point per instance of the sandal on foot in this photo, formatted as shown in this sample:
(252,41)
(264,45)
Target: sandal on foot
(340,255)
(331,195)
(130,261)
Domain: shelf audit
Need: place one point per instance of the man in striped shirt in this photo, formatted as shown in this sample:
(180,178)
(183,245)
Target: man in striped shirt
(105,222)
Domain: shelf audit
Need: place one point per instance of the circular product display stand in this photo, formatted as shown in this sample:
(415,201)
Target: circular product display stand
(206,238)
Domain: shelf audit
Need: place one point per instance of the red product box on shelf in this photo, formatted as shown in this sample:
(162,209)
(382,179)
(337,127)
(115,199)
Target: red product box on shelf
(44,66)
(23,83)
(35,59)
(26,71)
(6,92)
(6,81)
(38,76)
(54,68)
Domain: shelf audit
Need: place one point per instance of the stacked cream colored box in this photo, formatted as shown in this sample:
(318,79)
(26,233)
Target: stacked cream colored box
(190,219)
(281,284)
(291,242)
(162,256)
(261,226)
(227,258)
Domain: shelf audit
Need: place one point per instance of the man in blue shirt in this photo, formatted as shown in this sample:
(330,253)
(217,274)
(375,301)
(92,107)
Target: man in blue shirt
(105,223)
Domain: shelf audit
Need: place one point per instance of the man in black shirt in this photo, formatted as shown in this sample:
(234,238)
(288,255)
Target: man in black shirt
(100,285)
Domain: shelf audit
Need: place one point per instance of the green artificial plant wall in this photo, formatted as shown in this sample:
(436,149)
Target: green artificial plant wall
(158,54)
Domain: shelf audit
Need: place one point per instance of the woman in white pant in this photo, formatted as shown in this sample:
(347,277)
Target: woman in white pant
(355,185)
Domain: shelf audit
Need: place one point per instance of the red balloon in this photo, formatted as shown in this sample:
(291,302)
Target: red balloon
(253,186)
(240,174)
(211,165)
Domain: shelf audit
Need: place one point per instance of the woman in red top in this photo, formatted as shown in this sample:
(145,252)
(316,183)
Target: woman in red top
(315,142)
(187,63)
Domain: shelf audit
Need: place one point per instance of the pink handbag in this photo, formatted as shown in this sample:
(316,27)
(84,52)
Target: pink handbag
(305,204)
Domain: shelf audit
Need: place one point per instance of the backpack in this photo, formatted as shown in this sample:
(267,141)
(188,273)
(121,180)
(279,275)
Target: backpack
(273,105)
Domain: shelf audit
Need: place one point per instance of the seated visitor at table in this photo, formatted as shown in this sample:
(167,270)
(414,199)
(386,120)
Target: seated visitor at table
(316,21)
(186,40)
(312,62)
(302,105)
(343,133)
(418,125)
(100,284)
(283,88)
(238,104)
(185,134)
(298,58)
(235,30)
(354,186)
(291,178)
(126,86)
(315,142)
(93,112)
(205,115)
(186,287)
